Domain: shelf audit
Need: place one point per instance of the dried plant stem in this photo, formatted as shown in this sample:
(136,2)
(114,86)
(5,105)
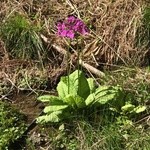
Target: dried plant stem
(82,63)
(91,69)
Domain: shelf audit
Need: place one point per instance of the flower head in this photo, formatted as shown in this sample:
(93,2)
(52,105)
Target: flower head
(70,27)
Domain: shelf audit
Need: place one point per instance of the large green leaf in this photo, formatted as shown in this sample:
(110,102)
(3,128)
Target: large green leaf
(52,100)
(102,95)
(77,85)
(105,94)
(48,98)
(83,86)
(62,88)
(80,102)
(75,101)
(53,117)
(91,84)
(69,99)
(49,109)
(90,99)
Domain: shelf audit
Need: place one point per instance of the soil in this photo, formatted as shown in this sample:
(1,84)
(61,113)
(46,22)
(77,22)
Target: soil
(28,105)
(34,136)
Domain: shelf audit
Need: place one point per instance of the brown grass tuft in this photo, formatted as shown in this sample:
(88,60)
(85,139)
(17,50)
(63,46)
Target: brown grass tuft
(113,25)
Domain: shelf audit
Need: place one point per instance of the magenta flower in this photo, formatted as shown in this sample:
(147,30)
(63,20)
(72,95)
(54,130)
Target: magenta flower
(71,27)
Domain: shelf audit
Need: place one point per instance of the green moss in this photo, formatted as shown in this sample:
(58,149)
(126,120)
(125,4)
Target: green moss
(12,125)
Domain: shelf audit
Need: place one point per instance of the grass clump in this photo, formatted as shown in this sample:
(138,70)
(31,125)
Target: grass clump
(21,38)
(143,33)
(12,125)
(81,134)
(144,40)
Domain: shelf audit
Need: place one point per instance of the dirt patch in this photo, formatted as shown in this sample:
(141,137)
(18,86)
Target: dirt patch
(34,136)
(28,105)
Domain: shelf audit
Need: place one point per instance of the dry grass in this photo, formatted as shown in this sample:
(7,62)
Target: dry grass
(113,26)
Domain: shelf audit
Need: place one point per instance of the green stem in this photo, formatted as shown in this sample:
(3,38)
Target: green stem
(81,54)
(68,69)
(78,58)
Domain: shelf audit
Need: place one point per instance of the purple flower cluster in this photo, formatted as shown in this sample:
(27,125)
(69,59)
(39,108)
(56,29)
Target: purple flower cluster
(71,27)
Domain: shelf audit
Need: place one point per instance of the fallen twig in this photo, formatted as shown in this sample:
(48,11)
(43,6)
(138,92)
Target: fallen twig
(81,62)
(91,69)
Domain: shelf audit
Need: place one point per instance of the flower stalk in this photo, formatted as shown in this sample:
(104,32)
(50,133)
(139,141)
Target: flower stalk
(70,28)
